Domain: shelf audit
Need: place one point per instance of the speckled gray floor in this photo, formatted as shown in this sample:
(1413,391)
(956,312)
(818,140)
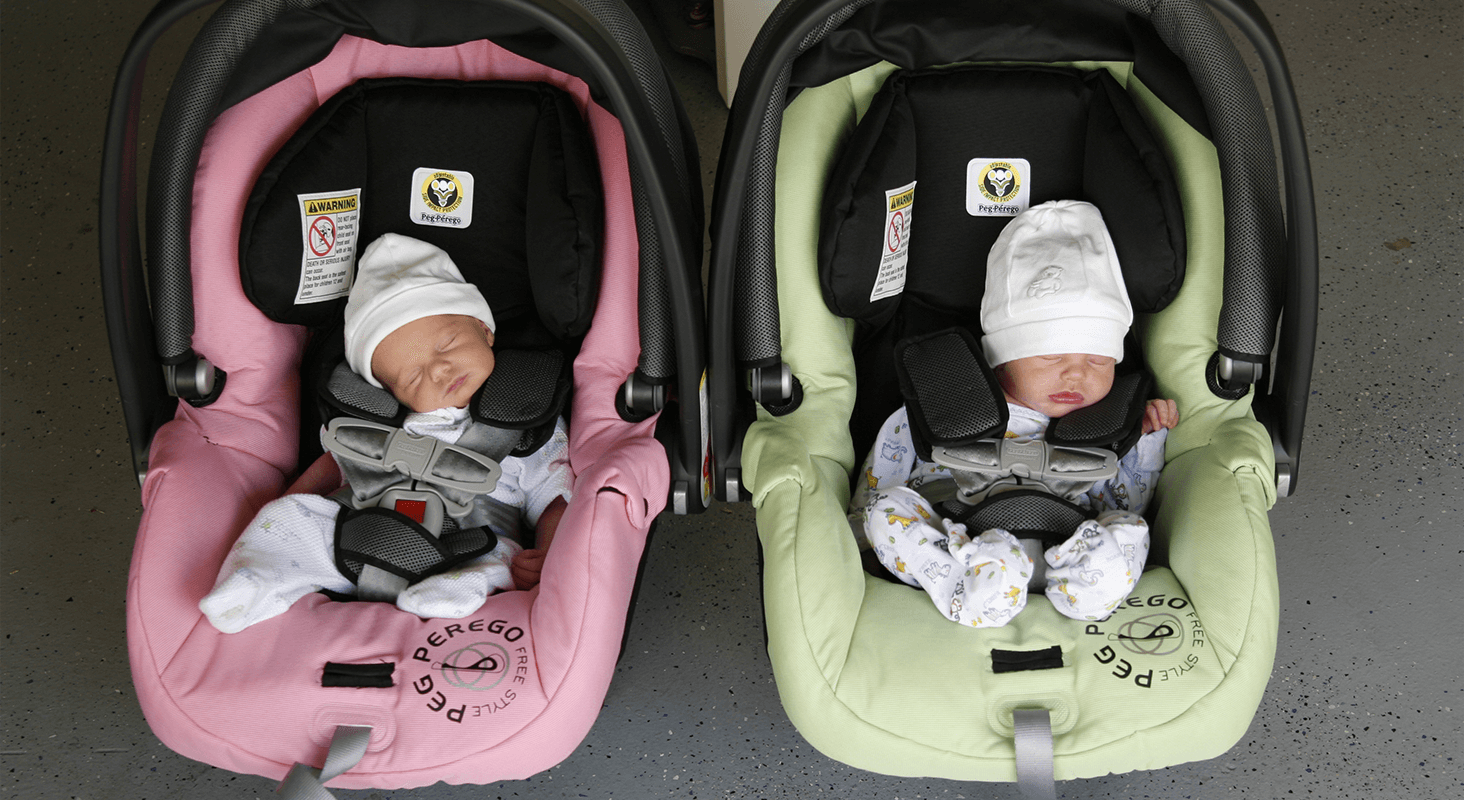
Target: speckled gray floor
(1361,704)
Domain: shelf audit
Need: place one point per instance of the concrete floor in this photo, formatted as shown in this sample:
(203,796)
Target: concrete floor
(1368,669)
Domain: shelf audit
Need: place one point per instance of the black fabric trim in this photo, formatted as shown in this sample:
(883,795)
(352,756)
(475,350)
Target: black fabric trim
(336,405)
(526,390)
(359,676)
(915,34)
(1023,660)
(533,245)
(945,273)
(953,396)
(301,38)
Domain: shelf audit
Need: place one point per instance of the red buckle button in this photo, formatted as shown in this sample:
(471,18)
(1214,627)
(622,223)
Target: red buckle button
(416,509)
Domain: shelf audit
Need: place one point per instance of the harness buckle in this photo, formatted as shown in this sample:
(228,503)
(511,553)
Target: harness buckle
(1006,463)
(421,458)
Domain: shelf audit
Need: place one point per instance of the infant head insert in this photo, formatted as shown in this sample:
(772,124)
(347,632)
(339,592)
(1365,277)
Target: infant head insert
(867,670)
(586,122)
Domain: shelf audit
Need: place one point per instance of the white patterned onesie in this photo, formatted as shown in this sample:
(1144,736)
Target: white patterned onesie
(982,580)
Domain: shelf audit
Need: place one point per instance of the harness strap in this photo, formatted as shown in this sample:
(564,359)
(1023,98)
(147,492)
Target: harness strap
(1033,742)
(347,748)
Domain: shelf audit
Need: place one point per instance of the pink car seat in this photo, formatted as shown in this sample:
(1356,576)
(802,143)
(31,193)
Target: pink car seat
(512,689)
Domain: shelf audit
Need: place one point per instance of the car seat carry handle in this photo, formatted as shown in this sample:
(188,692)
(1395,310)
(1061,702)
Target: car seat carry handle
(347,748)
(1257,278)
(187,114)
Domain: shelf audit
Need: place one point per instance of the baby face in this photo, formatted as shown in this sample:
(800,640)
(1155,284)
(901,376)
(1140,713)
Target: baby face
(1058,384)
(435,362)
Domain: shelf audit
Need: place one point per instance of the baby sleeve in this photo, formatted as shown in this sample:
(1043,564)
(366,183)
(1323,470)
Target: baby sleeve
(1133,487)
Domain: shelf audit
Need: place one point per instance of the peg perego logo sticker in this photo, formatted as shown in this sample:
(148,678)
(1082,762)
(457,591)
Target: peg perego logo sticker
(442,198)
(997,187)
(473,668)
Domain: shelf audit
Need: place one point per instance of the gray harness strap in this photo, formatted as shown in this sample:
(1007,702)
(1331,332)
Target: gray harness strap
(347,748)
(1033,743)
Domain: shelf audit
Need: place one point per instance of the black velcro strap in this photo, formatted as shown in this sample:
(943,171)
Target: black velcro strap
(953,396)
(1022,660)
(1025,513)
(391,541)
(359,676)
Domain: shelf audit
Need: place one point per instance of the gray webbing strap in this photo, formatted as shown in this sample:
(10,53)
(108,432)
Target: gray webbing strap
(347,747)
(379,586)
(1034,753)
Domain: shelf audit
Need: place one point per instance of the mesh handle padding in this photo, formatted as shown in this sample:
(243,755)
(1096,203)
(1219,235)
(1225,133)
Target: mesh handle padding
(187,113)
(1255,238)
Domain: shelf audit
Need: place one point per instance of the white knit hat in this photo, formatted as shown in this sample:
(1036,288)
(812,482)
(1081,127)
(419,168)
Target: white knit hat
(1053,286)
(400,280)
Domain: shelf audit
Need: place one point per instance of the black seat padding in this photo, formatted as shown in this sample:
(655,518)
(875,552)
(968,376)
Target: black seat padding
(1084,140)
(533,242)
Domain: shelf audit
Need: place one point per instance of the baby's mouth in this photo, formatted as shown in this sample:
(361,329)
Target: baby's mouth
(456,385)
(1066,398)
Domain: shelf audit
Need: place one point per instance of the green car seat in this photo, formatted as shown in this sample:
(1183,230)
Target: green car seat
(1161,127)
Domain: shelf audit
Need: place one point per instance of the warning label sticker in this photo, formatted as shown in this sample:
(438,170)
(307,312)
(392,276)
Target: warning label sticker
(895,252)
(329,222)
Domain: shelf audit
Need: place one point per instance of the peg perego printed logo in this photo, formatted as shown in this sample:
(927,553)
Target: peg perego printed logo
(442,198)
(473,668)
(997,187)
(1149,638)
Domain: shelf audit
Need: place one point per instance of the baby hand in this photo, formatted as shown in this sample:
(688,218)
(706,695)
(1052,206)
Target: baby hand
(526,568)
(1160,415)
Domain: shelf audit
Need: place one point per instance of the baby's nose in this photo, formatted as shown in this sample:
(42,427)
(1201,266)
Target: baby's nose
(441,369)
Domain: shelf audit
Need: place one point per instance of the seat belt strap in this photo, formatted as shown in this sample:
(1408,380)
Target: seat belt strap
(1035,777)
(379,586)
(347,747)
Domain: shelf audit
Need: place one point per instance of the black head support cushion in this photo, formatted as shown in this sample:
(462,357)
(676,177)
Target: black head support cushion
(500,175)
(944,158)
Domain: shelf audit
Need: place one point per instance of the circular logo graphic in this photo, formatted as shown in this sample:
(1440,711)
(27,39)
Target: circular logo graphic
(1152,635)
(478,667)
(442,192)
(999,182)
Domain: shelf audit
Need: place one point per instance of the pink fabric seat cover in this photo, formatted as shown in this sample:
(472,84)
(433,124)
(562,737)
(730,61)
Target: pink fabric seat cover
(253,702)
